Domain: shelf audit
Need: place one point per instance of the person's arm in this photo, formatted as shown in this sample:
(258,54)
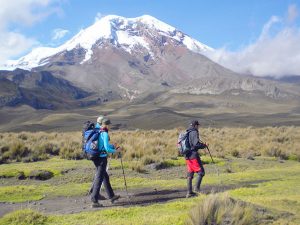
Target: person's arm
(107,146)
(195,142)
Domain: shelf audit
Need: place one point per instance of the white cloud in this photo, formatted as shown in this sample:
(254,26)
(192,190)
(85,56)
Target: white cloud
(272,54)
(22,13)
(13,44)
(292,13)
(26,12)
(58,34)
(98,16)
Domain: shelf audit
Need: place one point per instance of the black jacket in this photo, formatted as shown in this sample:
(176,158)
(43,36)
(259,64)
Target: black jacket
(194,142)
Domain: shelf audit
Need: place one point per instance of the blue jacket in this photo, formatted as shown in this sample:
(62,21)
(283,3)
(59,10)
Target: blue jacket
(103,143)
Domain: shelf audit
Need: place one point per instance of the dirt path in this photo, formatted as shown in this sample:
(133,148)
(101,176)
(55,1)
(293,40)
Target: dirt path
(142,197)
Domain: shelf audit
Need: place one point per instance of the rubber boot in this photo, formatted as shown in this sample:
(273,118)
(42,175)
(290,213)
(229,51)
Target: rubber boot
(198,183)
(190,192)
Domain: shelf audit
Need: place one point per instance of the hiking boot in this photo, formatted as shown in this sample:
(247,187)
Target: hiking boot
(190,195)
(114,198)
(96,205)
(197,191)
(101,197)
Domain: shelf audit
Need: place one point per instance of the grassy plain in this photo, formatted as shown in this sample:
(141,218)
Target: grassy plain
(264,182)
(260,170)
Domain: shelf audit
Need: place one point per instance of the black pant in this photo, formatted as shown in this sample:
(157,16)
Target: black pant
(101,176)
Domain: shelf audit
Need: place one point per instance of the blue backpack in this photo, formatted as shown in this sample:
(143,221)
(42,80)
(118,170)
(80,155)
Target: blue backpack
(90,137)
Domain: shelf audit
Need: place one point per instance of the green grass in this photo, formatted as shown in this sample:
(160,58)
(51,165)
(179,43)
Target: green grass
(170,213)
(275,186)
(22,193)
(245,173)
(27,216)
(54,165)
(281,195)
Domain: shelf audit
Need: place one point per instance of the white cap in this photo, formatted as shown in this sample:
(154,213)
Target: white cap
(99,119)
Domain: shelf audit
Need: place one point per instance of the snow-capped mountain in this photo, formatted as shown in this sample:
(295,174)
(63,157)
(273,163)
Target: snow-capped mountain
(129,34)
(125,58)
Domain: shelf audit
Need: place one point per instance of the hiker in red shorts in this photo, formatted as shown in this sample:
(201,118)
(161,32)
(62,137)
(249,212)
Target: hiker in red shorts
(193,161)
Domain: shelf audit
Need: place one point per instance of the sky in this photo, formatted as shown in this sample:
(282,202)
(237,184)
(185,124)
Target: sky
(261,37)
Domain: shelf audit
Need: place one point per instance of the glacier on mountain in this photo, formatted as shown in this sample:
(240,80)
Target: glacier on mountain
(122,32)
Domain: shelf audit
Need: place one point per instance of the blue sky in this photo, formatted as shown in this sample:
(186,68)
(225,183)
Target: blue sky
(231,24)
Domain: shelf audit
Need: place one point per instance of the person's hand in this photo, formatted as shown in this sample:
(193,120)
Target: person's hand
(206,144)
(118,148)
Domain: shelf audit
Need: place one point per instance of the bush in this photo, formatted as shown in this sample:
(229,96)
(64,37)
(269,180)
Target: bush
(71,151)
(40,174)
(48,149)
(294,157)
(137,167)
(235,153)
(148,160)
(18,150)
(275,152)
(26,216)
(221,209)
(4,149)
(23,136)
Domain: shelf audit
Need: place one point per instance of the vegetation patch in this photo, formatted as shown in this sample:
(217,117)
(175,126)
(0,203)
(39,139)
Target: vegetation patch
(221,209)
(156,145)
(40,175)
(27,216)
(173,213)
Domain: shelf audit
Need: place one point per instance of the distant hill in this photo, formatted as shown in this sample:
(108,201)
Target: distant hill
(40,90)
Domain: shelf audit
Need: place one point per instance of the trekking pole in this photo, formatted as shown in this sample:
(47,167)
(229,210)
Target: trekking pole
(124,175)
(213,161)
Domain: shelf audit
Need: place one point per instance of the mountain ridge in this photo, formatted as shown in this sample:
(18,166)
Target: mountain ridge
(108,28)
(122,59)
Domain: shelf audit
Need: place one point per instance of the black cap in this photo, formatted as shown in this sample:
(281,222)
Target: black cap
(106,121)
(194,123)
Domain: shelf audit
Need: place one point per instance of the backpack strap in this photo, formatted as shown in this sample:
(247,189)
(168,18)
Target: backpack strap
(188,138)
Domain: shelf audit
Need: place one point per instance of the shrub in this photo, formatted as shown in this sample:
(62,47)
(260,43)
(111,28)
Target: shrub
(71,151)
(275,152)
(49,148)
(294,157)
(148,160)
(23,136)
(4,149)
(235,153)
(40,174)
(18,150)
(26,216)
(221,209)
(137,167)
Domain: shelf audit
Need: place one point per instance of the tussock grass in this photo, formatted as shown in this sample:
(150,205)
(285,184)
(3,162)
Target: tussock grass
(156,145)
(27,216)
(221,209)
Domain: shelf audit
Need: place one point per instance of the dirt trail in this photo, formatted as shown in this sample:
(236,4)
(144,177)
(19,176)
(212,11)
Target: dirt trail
(142,197)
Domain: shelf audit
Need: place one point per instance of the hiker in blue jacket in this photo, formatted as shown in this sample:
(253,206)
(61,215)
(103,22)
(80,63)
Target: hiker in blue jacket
(98,126)
(101,162)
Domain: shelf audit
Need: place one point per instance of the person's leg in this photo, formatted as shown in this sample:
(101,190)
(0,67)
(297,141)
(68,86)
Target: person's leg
(100,164)
(190,176)
(201,174)
(107,185)
(190,192)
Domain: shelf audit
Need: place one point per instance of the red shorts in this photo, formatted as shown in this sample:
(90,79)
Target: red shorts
(193,165)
